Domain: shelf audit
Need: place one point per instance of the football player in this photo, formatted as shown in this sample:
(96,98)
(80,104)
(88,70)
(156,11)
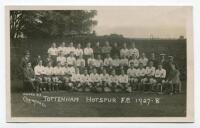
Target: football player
(149,79)
(141,72)
(160,76)
(123,83)
(71,60)
(124,52)
(132,73)
(39,72)
(78,50)
(48,76)
(143,59)
(133,51)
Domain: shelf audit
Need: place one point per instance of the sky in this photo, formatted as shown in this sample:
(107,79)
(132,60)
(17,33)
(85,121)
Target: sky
(141,22)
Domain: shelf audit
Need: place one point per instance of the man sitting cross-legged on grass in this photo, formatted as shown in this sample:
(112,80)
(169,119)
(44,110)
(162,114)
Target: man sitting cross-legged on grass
(114,81)
(141,72)
(58,72)
(149,80)
(48,76)
(95,81)
(29,78)
(74,82)
(39,72)
(160,75)
(123,83)
(132,74)
(85,82)
(105,79)
(173,80)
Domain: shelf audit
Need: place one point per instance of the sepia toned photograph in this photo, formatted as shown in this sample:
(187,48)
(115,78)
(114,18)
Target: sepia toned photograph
(99,64)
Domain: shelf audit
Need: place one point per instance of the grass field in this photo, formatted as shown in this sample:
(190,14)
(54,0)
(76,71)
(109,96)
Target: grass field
(168,106)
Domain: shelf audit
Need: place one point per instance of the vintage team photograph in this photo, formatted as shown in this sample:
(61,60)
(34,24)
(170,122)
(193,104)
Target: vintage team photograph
(99,63)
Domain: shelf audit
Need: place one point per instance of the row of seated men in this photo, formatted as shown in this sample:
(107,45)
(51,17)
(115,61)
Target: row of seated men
(102,79)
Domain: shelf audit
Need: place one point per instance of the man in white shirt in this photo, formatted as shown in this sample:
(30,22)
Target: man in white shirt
(91,61)
(123,83)
(144,60)
(133,51)
(74,83)
(48,74)
(61,48)
(98,62)
(69,49)
(96,81)
(88,51)
(78,50)
(124,61)
(149,79)
(124,51)
(57,76)
(160,76)
(105,78)
(116,61)
(39,72)
(61,59)
(71,60)
(114,81)
(53,52)
(141,72)
(134,60)
(132,73)
(86,82)
(80,61)
(107,61)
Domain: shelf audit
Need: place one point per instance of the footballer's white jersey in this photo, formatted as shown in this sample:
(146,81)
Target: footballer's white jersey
(80,62)
(95,77)
(85,78)
(58,71)
(123,78)
(91,61)
(39,70)
(134,51)
(114,79)
(71,70)
(124,62)
(132,72)
(53,51)
(150,71)
(124,52)
(105,78)
(107,61)
(160,73)
(115,62)
(71,60)
(76,77)
(135,62)
(48,71)
(141,72)
(61,49)
(61,59)
(79,52)
(88,51)
(98,63)
(144,61)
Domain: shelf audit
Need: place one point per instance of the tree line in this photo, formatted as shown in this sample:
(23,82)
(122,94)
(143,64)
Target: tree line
(54,23)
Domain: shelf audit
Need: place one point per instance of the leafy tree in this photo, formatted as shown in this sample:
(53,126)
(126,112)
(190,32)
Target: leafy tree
(56,23)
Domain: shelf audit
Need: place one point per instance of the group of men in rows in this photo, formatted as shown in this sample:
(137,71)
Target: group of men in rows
(101,69)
